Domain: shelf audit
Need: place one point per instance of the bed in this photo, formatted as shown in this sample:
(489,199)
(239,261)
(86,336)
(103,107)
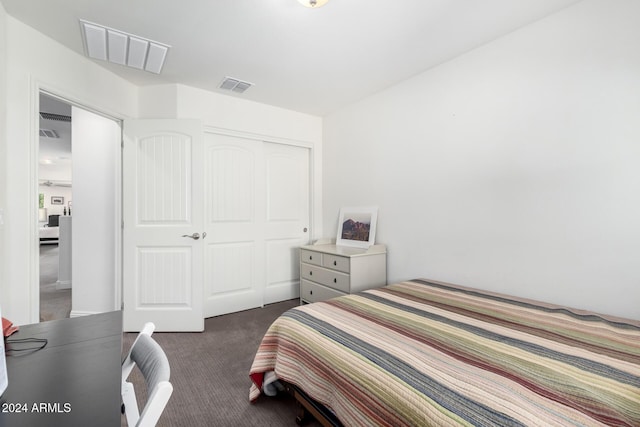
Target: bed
(421,352)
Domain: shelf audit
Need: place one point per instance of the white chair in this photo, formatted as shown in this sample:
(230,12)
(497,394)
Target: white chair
(147,354)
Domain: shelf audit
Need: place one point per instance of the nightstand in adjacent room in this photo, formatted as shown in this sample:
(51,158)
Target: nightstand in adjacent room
(328,271)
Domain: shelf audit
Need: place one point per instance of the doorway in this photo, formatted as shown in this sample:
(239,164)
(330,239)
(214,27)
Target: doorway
(79,177)
(54,201)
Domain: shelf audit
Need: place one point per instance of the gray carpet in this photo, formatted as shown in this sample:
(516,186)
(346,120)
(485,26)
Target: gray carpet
(54,303)
(210,373)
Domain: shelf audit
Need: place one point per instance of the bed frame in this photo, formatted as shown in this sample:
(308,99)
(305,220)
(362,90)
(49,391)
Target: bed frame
(307,407)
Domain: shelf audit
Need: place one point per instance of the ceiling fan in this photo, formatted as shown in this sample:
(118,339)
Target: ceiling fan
(50,183)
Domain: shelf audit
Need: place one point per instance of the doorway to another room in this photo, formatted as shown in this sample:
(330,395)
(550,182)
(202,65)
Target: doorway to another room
(79,210)
(55,207)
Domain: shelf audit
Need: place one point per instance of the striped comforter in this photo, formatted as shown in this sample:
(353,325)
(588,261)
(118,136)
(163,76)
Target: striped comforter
(423,353)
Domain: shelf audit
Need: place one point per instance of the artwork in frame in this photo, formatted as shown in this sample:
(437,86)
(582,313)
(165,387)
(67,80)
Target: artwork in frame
(57,200)
(357,227)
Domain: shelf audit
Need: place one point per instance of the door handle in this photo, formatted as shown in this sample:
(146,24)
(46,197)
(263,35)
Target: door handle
(194,236)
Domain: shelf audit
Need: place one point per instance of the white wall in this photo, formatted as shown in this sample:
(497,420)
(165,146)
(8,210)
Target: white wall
(34,61)
(513,167)
(3,142)
(53,191)
(96,207)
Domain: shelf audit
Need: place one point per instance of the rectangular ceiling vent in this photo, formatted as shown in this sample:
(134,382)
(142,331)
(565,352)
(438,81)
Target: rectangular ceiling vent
(234,85)
(48,133)
(55,117)
(123,48)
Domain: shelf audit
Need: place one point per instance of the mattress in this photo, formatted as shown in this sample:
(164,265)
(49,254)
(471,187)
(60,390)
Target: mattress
(49,232)
(429,353)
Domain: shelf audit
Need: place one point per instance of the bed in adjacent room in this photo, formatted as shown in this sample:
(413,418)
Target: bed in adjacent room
(50,232)
(49,235)
(429,353)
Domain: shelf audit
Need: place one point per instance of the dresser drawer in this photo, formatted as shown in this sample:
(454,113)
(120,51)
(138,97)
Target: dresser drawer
(324,276)
(312,292)
(336,262)
(310,257)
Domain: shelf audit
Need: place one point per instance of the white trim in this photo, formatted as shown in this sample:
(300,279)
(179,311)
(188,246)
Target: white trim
(63,284)
(34,226)
(79,313)
(257,136)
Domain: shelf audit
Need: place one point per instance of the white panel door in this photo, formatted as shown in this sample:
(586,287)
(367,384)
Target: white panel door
(287,218)
(234,272)
(256,215)
(162,208)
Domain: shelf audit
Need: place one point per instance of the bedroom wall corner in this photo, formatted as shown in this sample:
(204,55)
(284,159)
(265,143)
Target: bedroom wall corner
(511,168)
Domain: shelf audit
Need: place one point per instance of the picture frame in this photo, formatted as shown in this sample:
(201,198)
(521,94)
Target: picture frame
(57,200)
(357,226)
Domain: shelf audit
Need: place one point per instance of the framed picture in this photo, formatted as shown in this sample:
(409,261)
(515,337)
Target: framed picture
(357,227)
(57,200)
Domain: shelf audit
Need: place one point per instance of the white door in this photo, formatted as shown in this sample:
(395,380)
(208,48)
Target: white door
(287,218)
(256,215)
(162,198)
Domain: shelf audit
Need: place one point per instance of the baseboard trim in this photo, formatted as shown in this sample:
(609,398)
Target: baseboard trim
(63,284)
(77,313)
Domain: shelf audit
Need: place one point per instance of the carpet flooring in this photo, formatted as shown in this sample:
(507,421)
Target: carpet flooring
(209,370)
(210,373)
(54,303)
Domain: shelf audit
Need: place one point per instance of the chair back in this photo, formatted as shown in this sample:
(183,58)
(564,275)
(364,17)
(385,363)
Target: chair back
(147,354)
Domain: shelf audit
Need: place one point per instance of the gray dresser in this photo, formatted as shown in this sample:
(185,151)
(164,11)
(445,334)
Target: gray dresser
(328,271)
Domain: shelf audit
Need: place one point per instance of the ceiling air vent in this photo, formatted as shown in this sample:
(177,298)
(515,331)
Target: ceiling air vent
(108,44)
(234,85)
(48,133)
(55,117)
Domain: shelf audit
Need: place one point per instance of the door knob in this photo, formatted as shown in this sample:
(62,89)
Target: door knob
(194,236)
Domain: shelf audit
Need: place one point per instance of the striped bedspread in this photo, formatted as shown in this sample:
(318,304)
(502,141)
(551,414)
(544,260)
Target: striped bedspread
(425,353)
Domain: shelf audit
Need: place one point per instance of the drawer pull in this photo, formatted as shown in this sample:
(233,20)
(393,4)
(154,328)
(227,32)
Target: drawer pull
(311,273)
(335,262)
(311,292)
(335,280)
(310,257)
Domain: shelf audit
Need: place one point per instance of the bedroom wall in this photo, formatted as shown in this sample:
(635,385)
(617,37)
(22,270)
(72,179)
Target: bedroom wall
(512,168)
(3,143)
(34,61)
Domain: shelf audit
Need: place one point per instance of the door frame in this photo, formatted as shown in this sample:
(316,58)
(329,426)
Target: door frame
(38,87)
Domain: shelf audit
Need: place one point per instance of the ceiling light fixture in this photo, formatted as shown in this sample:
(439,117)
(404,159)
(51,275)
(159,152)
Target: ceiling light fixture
(313,3)
(122,48)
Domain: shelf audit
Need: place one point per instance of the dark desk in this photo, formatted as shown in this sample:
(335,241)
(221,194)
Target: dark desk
(73,381)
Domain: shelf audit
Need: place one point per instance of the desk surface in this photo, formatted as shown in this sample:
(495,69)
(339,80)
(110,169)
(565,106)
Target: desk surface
(73,381)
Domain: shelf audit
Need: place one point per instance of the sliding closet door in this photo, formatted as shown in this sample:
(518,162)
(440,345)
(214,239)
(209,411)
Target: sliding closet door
(256,215)
(286,218)
(234,256)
